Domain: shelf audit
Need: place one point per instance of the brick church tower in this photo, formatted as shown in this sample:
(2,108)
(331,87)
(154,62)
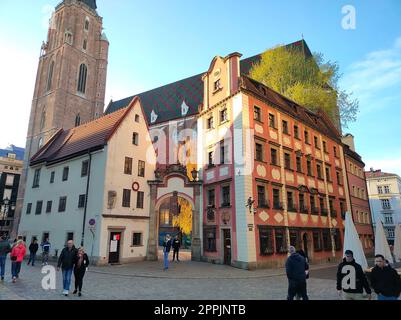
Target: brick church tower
(71,78)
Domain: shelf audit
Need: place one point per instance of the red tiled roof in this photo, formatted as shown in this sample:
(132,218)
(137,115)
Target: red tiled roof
(79,140)
(378,174)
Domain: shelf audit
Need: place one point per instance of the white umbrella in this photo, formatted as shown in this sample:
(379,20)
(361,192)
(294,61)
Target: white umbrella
(397,243)
(381,244)
(352,242)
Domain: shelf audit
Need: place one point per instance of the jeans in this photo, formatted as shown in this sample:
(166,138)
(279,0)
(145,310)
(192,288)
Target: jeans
(32,257)
(297,287)
(2,265)
(175,254)
(381,297)
(15,269)
(166,259)
(67,273)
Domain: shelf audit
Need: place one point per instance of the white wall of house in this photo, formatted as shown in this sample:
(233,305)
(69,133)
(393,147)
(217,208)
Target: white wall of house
(56,223)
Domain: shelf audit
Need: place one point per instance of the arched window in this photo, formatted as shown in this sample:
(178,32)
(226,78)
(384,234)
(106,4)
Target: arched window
(83,71)
(40,143)
(50,76)
(77,120)
(43,119)
(86,24)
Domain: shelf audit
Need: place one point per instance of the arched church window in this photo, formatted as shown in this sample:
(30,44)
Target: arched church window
(43,119)
(40,143)
(50,76)
(68,37)
(77,120)
(83,71)
(86,24)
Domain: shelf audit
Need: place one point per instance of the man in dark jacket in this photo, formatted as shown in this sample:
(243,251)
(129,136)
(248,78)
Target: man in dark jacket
(166,250)
(385,280)
(295,267)
(66,262)
(176,247)
(5,248)
(33,248)
(351,279)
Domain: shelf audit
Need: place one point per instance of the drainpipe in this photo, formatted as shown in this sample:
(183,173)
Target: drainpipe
(86,199)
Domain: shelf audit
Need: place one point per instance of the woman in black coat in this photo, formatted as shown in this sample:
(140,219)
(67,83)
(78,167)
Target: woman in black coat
(81,264)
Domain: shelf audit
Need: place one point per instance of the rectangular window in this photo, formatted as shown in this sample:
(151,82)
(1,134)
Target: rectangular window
(266,240)
(262,200)
(136,239)
(81,201)
(52,174)
(335,151)
(70,236)
(324,146)
(258,152)
(257,114)
(276,199)
(338,178)
(65,173)
(314,210)
(223,115)
(380,189)
(309,167)
(273,156)
(319,171)
(137,118)
(323,210)
(296,132)
(272,121)
(337,239)
(281,243)
(128,165)
(299,164)
(62,204)
(135,138)
(210,124)
(49,206)
(386,204)
(84,168)
(141,168)
(386,189)
(209,238)
(36,178)
(302,206)
(326,240)
(223,153)
(316,142)
(39,205)
(126,198)
(164,217)
(295,238)
(217,85)
(285,127)
(342,209)
(287,161)
(290,201)
(210,159)
(317,241)
(226,201)
(211,198)
(28,208)
(139,199)
(306,135)
(328,175)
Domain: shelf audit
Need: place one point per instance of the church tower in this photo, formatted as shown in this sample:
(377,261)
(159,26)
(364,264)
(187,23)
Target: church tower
(71,77)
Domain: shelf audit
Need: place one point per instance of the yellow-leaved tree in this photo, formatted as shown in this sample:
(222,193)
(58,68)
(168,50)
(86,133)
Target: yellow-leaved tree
(309,81)
(184,219)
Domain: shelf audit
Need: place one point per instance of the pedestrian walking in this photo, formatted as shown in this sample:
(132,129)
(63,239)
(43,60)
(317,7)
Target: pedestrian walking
(66,262)
(33,248)
(385,280)
(176,247)
(45,251)
(80,267)
(166,250)
(351,280)
(5,248)
(17,256)
(302,253)
(295,268)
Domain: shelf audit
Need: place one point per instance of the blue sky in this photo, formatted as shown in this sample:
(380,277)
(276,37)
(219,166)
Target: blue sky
(157,42)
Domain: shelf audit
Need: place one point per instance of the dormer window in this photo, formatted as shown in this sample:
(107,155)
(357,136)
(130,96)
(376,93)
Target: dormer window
(217,85)
(153,116)
(184,108)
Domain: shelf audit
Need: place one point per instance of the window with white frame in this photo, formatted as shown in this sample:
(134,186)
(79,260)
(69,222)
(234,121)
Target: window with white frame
(386,204)
(386,189)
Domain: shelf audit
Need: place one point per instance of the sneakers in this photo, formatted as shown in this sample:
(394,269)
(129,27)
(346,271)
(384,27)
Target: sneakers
(14,279)
(65,292)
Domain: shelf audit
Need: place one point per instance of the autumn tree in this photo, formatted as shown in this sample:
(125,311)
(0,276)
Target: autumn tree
(184,219)
(309,81)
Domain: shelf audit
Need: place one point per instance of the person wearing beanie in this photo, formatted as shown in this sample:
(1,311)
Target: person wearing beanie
(351,280)
(295,268)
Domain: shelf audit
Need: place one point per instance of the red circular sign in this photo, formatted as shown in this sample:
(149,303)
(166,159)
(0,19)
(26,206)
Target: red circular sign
(135,186)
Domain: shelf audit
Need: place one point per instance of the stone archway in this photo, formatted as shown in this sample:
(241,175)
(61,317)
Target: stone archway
(172,179)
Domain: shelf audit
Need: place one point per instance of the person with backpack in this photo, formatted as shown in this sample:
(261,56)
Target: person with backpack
(33,248)
(5,248)
(45,251)
(17,256)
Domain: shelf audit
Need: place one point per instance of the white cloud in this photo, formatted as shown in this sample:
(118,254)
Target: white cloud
(392,165)
(377,71)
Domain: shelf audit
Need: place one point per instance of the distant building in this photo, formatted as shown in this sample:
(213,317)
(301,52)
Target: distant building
(89,184)
(384,190)
(358,194)
(11,162)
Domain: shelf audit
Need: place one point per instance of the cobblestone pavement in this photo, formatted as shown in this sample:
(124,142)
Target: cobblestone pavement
(184,280)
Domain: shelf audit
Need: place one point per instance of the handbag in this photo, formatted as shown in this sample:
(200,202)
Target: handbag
(13,258)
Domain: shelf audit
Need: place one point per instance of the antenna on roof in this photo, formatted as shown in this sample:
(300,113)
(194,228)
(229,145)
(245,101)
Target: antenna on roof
(302,35)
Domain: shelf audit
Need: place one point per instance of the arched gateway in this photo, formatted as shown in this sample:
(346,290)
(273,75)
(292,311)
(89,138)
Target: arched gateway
(169,182)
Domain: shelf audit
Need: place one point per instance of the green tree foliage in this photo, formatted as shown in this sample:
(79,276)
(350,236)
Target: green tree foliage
(310,82)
